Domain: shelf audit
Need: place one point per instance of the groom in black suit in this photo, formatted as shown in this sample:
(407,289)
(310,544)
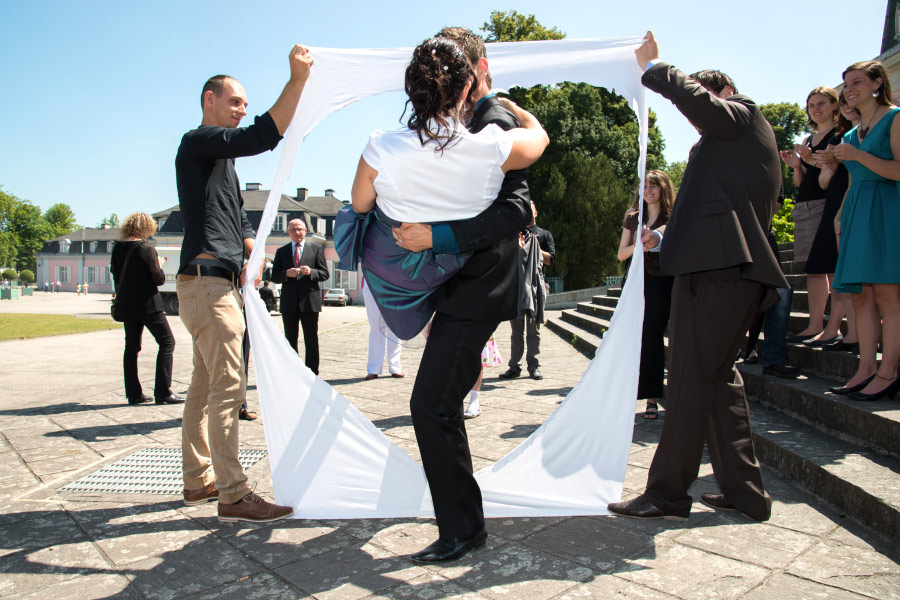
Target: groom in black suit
(468,308)
(300,266)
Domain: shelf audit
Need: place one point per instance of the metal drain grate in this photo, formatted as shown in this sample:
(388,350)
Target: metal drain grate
(149,471)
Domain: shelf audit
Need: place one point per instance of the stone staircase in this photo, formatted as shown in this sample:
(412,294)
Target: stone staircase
(844,452)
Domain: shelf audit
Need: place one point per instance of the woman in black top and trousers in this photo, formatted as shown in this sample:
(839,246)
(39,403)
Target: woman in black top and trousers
(137,299)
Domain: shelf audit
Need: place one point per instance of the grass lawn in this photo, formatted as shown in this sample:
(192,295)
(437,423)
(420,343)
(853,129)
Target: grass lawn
(21,326)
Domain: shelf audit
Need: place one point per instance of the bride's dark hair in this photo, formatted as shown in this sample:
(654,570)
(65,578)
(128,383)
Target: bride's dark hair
(435,80)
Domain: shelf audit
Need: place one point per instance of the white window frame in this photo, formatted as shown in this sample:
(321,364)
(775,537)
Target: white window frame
(104,275)
(63,248)
(62,274)
(278,223)
(92,275)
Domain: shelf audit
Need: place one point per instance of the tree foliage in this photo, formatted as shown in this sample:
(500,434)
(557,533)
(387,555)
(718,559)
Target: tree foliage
(9,274)
(61,219)
(24,229)
(112,221)
(511,26)
(586,178)
(788,120)
(675,171)
(783,223)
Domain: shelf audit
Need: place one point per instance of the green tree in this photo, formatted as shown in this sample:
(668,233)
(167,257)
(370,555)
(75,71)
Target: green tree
(25,228)
(27,276)
(783,223)
(788,121)
(61,219)
(511,26)
(112,221)
(9,274)
(675,171)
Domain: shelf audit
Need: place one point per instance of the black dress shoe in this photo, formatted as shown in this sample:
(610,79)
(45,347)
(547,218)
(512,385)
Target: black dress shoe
(842,346)
(510,373)
(536,374)
(820,343)
(843,391)
(718,502)
(890,391)
(142,399)
(641,508)
(783,370)
(799,339)
(170,399)
(447,550)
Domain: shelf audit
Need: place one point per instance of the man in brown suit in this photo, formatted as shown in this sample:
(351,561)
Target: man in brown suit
(725,272)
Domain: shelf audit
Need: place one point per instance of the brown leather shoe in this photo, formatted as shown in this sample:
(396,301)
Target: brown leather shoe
(246,415)
(397,375)
(254,509)
(204,494)
(718,502)
(641,508)
(371,376)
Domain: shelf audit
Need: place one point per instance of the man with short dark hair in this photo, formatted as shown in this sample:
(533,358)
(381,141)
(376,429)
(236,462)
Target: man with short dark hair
(217,239)
(715,246)
(525,331)
(468,308)
(300,265)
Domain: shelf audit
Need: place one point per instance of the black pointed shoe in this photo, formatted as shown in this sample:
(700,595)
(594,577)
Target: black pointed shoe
(142,399)
(170,399)
(641,508)
(843,391)
(443,550)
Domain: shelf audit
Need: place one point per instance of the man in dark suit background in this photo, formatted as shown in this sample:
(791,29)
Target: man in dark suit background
(468,308)
(300,266)
(725,272)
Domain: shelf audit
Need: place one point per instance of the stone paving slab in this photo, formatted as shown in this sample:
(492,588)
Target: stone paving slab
(60,423)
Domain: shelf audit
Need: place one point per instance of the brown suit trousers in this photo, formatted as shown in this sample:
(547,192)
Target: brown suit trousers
(711,313)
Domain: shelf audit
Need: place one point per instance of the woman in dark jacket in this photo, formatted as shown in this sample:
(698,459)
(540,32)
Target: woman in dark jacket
(137,271)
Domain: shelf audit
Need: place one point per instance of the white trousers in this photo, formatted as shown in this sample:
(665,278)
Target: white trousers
(379,334)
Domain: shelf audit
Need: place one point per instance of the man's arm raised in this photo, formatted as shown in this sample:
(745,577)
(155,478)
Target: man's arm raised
(282,112)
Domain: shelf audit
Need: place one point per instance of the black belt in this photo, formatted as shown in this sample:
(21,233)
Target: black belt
(207,271)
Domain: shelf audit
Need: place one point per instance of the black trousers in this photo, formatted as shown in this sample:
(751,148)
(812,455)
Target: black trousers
(310,322)
(451,363)
(158,327)
(657,305)
(711,313)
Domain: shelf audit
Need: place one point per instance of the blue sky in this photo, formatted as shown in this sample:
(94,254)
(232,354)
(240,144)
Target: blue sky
(97,94)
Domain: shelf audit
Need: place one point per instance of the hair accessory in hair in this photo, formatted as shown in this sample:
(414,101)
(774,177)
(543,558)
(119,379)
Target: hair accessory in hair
(434,51)
(446,68)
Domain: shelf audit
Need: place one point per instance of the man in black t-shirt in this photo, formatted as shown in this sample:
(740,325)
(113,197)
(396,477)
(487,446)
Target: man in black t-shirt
(217,238)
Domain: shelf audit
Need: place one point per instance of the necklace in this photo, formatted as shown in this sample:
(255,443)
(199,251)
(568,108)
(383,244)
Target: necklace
(864,131)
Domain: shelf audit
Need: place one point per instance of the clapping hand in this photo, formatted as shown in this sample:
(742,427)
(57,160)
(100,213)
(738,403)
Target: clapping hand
(805,153)
(790,159)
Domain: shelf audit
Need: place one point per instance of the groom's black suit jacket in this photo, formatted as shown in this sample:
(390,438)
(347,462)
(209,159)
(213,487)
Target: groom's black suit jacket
(487,287)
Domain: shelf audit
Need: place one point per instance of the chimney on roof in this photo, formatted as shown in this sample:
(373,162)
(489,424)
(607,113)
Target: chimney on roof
(329,192)
(253,187)
(302,194)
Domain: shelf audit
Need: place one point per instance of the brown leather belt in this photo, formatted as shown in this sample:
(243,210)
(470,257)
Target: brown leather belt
(206,271)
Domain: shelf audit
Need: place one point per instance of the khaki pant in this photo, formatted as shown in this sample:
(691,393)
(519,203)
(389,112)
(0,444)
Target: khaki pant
(210,308)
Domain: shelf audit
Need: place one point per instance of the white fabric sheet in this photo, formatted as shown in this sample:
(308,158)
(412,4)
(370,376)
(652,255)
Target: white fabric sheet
(328,460)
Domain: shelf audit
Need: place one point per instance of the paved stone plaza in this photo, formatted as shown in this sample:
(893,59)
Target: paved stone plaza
(64,416)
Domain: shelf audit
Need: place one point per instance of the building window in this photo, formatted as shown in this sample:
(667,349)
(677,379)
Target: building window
(278,224)
(344,279)
(93,247)
(63,247)
(92,275)
(314,221)
(104,275)
(62,274)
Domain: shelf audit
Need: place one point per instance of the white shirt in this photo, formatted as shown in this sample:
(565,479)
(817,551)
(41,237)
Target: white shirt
(415,184)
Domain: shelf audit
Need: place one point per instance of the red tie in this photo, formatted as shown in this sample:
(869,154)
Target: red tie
(296,255)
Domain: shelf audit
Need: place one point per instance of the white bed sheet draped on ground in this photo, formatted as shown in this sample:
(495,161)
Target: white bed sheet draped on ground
(328,460)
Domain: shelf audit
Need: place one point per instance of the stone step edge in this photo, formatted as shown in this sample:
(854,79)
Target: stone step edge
(804,399)
(851,493)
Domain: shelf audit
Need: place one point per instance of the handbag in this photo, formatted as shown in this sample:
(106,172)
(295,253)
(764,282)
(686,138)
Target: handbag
(114,312)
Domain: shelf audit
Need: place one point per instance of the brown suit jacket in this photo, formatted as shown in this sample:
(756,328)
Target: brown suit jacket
(727,197)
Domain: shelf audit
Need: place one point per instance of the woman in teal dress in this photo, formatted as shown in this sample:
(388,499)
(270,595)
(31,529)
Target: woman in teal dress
(868,228)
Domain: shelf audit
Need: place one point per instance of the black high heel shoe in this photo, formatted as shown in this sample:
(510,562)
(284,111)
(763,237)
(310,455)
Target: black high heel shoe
(890,391)
(843,391)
